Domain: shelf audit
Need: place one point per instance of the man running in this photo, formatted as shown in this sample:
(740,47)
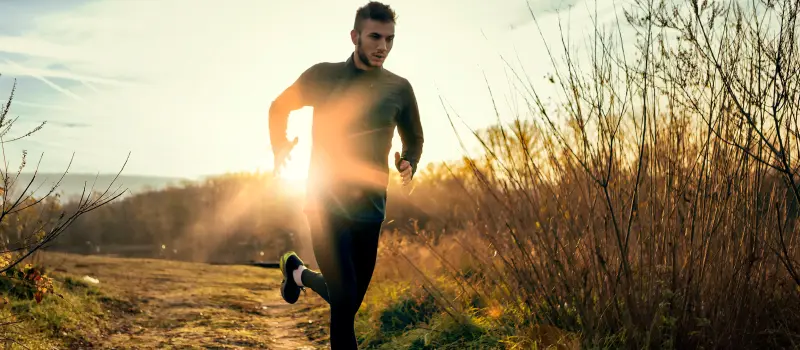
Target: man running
(357,107)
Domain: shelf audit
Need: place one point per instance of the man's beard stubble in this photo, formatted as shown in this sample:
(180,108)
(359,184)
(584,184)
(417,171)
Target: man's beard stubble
(363,55)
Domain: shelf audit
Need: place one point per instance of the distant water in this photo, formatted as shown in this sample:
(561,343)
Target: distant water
(72,185)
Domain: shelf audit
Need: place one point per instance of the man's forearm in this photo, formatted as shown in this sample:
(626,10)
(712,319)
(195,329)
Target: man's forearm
(412,152)
(293,98)
(410,130)
(278,120)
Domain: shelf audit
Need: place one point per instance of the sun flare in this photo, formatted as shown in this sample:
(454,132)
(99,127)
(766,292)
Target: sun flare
(295,173)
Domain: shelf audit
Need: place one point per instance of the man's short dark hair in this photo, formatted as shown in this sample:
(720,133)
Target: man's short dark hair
(376,11)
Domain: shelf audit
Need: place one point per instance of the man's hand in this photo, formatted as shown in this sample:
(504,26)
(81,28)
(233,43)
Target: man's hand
(404,167)
(281,154)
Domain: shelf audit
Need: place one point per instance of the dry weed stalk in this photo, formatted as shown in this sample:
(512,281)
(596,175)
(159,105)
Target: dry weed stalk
(656,205)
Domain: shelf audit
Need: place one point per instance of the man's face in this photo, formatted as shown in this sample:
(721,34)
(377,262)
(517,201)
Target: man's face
(374,42)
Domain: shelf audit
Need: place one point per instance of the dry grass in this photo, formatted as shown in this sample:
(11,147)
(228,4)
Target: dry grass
(654,204)
(149,304)
(436,295)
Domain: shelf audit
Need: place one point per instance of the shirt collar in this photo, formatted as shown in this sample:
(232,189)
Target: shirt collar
(351,66)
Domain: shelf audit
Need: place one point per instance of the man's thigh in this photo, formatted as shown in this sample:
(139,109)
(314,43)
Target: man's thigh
(366,238)
(333,248)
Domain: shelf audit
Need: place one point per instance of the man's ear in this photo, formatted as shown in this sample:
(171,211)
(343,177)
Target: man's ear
(354,37)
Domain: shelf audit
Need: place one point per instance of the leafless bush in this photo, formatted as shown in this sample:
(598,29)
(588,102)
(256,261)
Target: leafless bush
(655,206)
(29,223)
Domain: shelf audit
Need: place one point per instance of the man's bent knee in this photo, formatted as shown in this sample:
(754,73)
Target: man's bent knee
(345,301)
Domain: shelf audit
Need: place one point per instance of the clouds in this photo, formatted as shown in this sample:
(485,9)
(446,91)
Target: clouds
(185,85)
(146,81)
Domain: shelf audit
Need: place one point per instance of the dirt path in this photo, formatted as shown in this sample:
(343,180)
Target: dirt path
(185,305)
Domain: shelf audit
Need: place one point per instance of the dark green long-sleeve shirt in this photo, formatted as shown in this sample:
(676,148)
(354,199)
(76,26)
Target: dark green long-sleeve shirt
(355,116)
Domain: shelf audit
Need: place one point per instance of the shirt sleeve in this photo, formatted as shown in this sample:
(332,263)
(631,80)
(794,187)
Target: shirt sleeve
(409,128)
(298,95)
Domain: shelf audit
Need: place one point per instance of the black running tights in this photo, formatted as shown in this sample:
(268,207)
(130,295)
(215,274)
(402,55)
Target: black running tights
(345,251)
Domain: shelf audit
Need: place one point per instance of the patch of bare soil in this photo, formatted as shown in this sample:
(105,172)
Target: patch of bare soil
(183,305)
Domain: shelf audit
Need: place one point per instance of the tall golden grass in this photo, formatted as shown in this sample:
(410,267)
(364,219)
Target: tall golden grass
(656,205)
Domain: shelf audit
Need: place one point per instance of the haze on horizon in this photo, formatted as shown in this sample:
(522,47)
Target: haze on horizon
(185,86)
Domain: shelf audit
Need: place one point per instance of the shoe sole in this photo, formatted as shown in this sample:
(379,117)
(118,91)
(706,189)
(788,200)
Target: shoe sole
(285,282)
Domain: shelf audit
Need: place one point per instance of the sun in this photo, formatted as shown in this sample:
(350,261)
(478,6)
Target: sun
(295,173)
(295,185)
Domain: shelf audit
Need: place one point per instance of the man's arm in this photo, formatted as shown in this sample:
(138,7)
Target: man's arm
(409,128)
(296,96)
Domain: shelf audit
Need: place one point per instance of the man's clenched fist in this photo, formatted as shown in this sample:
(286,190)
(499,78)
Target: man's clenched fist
(282,154)
(404,167)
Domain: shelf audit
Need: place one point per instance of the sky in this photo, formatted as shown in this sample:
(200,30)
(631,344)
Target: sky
(184,86)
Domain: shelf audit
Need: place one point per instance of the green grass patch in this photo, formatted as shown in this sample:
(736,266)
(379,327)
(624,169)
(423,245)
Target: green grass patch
(399,316)
(75,315)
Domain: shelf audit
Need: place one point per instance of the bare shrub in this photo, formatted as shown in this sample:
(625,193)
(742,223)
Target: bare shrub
(655,205)
(28,223)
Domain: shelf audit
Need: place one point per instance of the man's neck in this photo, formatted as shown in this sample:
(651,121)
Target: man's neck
(360,64)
